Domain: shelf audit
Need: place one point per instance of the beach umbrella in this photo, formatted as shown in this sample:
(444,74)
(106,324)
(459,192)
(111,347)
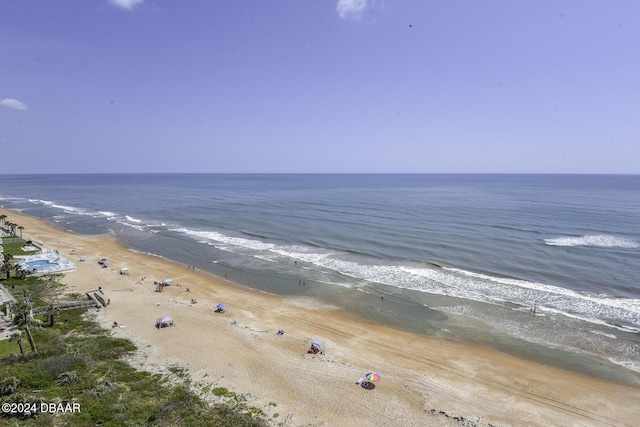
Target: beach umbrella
(371,376)
(221,305)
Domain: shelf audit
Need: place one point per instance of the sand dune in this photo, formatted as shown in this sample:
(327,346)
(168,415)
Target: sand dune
(424,381)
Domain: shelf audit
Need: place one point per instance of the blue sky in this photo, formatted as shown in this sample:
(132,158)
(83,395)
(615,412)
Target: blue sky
(320,86)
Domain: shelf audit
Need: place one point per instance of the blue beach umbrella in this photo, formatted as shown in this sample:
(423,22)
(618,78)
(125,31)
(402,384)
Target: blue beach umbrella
(221,305)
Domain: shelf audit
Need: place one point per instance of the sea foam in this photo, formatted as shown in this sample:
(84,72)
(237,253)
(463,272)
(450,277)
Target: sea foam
(598,240)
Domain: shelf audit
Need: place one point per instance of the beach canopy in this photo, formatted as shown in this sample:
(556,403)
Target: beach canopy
(164,322)
(167,281)
(317,345)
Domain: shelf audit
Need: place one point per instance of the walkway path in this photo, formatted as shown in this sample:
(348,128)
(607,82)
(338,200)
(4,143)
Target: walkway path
(5,295)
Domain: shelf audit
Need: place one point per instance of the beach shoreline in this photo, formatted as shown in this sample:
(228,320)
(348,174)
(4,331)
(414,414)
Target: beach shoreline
(425,381)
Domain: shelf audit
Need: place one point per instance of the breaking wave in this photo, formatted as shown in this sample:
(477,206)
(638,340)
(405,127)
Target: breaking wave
(598,240)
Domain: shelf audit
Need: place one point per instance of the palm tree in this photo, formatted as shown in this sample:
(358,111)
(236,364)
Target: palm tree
(51,313)
(6,265)
(68,379)
(17,338)
(2,218)
(8,385)
(23,317)
(5,269)
(20,228)
(21,272)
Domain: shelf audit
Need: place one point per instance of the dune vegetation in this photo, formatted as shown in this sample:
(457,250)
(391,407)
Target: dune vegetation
(72,372)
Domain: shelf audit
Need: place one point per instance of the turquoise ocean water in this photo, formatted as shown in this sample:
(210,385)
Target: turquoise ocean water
(467,257)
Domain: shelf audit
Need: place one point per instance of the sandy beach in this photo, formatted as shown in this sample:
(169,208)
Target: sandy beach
(424,381)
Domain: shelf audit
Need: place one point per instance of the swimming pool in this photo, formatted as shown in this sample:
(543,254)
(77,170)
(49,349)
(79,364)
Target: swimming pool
(40,265)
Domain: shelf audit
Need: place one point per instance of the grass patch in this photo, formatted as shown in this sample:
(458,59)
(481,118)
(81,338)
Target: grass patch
(15,248)
(8,348)
(30,287)
(220,391)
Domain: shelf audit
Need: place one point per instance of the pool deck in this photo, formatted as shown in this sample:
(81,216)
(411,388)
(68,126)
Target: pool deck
(58,264)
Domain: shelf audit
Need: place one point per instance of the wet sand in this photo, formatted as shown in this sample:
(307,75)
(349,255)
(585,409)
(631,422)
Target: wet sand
(425,381)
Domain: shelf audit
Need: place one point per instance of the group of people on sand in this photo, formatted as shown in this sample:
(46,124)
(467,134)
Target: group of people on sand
(363,383)
(314,349)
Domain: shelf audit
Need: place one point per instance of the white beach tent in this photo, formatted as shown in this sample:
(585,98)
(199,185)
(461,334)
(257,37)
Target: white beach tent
(165,322)
(124,270)
(167,282)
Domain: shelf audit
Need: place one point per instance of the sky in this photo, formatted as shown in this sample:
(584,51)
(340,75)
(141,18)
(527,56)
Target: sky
(320,86)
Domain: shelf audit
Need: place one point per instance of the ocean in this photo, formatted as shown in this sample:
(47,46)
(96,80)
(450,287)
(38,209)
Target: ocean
(543,267)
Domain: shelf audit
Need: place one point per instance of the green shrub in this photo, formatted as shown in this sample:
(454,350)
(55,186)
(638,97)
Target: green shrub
(55,365)
(220,391)
(35,378)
